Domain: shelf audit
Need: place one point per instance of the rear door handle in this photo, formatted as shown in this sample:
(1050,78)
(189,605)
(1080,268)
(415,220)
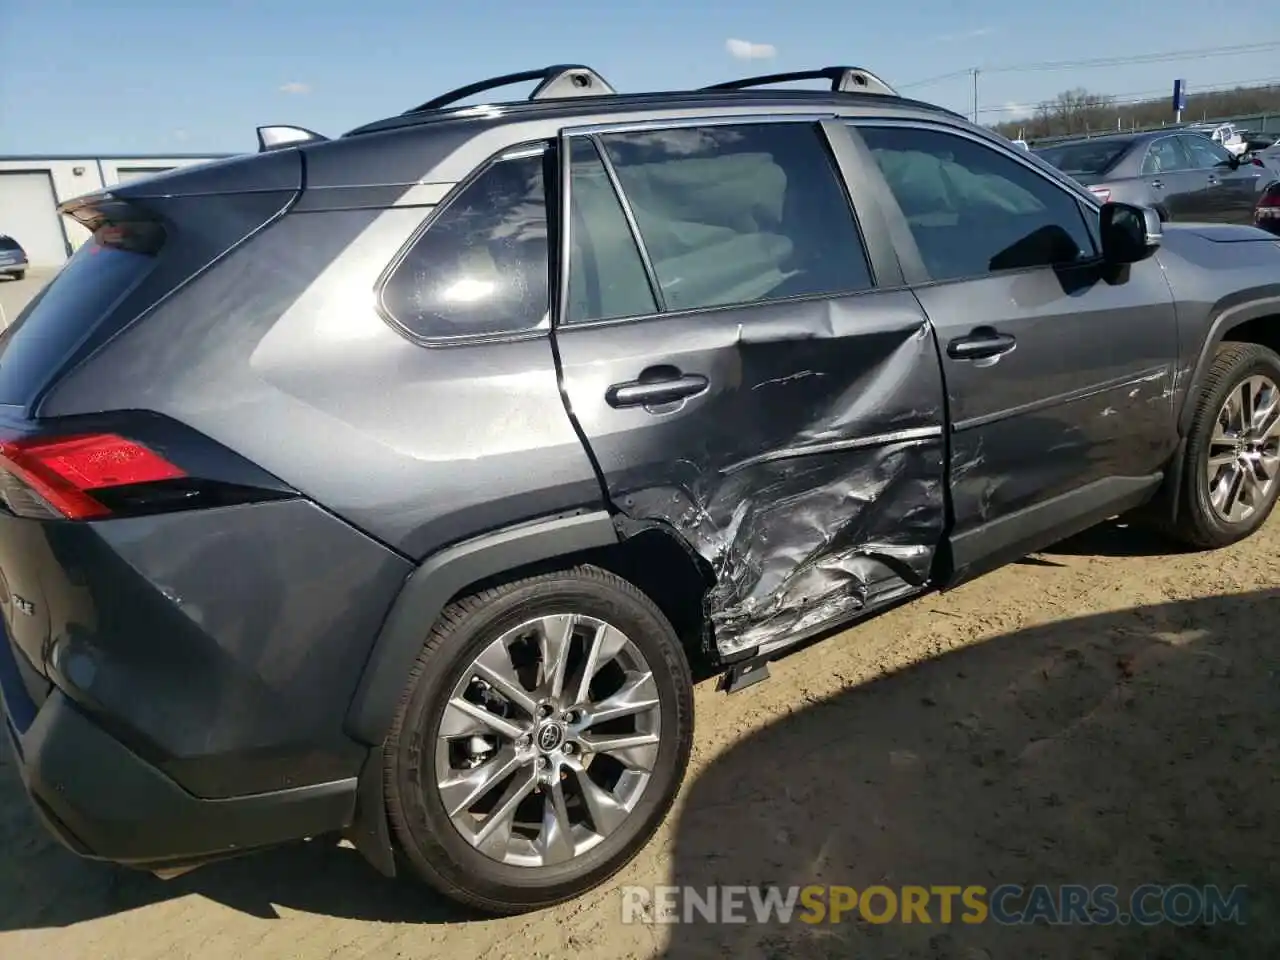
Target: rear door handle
(1158,184)
(982,343)
(1214,181)
(654,386)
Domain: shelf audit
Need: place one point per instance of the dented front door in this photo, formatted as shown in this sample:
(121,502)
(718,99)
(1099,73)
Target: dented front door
(795,444)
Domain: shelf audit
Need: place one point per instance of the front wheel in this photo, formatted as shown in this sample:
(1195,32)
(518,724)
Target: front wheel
(540,741)
(1232,463)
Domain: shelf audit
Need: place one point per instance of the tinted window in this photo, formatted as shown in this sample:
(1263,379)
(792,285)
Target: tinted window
(69,306)
(973,210)
(481,266)
(1204,152)
(607,278)
(739,214)
(1084,158)
(1165,156)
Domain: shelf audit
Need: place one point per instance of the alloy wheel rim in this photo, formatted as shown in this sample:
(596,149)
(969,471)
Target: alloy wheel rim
(548,741)
(1244,451)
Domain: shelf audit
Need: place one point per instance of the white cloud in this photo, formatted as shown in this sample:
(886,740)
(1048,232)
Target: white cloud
(746,50)
(1016,111)
(294,86)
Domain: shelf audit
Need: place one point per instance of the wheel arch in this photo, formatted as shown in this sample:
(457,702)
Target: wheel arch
(644,553)
(1256,320)
(650,555)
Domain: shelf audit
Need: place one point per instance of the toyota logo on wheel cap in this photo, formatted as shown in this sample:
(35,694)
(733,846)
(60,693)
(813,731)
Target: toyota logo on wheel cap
(550,737)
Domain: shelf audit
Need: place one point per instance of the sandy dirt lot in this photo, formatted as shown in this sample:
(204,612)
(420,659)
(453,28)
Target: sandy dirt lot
(1104,712)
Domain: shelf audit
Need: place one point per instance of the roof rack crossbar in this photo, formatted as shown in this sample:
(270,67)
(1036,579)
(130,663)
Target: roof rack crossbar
(562,80)
(843,80)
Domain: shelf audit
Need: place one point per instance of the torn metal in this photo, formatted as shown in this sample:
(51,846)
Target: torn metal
(814,485)
(795,545)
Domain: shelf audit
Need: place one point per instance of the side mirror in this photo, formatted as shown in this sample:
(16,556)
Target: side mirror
(1129,233)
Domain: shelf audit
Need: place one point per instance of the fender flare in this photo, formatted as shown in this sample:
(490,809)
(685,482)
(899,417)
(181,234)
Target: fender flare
(430,587)
(1225,321)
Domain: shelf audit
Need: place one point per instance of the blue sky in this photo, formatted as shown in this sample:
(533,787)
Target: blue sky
(156,76)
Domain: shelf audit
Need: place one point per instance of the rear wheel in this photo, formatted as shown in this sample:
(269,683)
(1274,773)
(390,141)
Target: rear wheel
(1232,466)
(19,274)
(540,741)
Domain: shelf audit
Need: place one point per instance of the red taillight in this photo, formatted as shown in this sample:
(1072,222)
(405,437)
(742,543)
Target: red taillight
(64,470)
(1258,163)
(1270,198)
(1102,193)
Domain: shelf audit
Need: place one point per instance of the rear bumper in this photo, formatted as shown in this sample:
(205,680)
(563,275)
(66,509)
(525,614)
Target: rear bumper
(7,269)
(102,801)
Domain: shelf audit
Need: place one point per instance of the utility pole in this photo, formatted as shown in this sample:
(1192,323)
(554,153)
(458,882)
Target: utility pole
(973,72)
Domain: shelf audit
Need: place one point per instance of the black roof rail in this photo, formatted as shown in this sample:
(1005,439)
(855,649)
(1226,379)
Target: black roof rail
(560,81)
(278,136)
(843,80)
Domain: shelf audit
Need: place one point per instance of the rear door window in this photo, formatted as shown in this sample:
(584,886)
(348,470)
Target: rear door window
(607,276)
(730,214)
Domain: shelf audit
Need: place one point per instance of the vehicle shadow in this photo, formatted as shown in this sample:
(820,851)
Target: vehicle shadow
(44,885)
(1125,748)
(1116,539)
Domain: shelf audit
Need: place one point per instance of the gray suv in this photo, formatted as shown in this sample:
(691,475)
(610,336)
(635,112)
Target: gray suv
(396,485)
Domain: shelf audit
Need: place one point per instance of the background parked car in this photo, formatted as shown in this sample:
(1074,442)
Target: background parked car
(1232,139)
(1267,214)
(13,259)
(1183,175)
(1269,157)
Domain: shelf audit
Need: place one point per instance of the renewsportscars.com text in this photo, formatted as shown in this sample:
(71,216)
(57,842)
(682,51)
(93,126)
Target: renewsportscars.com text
(1006,904)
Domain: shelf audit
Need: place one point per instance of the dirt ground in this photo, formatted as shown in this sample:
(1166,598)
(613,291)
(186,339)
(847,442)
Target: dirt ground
(1104,712)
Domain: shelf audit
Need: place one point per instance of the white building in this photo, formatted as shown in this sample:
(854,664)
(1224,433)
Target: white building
(32,187)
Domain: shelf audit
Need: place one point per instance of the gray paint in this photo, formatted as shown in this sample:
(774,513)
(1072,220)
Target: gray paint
(829,468)
(194,634)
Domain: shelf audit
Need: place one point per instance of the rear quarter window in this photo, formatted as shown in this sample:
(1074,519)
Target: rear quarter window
(480,268)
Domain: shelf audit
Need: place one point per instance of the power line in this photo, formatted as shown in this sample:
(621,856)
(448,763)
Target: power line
(938,79)
(1139,96)
(1168,56)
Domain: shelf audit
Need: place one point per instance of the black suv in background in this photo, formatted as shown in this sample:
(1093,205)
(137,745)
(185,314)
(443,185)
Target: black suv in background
(389,484)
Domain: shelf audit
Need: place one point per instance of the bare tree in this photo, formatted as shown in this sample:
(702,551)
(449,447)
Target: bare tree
(1080,111)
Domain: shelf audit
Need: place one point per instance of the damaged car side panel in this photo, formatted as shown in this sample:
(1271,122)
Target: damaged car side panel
(809,473)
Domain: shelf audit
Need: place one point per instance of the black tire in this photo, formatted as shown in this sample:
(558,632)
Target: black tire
(428,842)
(20,275)
(1198,525)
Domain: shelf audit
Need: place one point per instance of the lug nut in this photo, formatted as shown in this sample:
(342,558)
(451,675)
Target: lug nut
(544,710)
(571,716)
(568,748)
(543,763)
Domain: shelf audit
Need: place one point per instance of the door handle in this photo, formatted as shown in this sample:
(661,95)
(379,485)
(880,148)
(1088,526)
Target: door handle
(1213,181)
(982,343)
(1158,184)
(654,386)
